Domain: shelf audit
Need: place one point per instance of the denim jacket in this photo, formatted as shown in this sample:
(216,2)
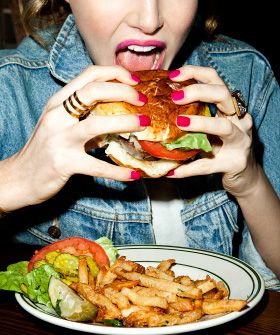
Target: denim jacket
(93,207)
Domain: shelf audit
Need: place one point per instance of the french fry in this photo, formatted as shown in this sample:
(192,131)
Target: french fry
(222,306)
(184,280)
(158,320)
(133,309)
(105,276)
(152,297)
(206,285)
(91,279)
(140,317)
(181,305)
(150,291)
(222,288)
(119,284)
(142,300)
(213,294)
(164,285)
(87,292)
(165,264)
(153,272)
(83,271)
(128,266)
(117,298)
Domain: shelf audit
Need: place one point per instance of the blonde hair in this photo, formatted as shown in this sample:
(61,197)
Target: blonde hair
(38,14)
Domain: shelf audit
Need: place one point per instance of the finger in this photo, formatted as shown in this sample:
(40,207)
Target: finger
(204,166)
(96,125)
(217,94)
(91,166)
(221,127)
(106,91)
(95,73)
(94,92)
(202,74)
(245,123)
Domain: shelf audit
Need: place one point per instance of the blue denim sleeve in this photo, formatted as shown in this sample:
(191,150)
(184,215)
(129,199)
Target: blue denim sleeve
(268,130)
(265,109)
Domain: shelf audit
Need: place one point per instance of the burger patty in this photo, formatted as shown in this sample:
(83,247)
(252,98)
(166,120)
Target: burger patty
(134,148)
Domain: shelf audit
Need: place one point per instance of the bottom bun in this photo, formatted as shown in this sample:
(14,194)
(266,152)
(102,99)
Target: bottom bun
(153,169)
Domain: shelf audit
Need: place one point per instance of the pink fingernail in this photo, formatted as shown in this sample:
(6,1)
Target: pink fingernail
(177,95)
(170,173)
(183,121)
(144,120)
(135,175)
(135,78)
(142,97)
(174,74)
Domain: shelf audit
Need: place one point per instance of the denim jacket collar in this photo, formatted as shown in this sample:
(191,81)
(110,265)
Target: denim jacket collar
(68,56)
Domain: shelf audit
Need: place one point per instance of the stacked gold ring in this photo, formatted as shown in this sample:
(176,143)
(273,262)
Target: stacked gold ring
(78,108)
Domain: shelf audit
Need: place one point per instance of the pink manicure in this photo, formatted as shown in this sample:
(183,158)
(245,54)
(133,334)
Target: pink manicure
(183,121)
(135,78)
(135,175)
(142,97)
(174,74)
(170,173)
(144,120)
(177,95)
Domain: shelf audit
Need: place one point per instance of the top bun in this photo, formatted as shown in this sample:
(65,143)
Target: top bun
(157,87)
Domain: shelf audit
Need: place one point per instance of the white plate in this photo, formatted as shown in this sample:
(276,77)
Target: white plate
(241,279)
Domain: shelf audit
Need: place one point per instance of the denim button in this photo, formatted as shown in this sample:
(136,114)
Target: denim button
(54,232)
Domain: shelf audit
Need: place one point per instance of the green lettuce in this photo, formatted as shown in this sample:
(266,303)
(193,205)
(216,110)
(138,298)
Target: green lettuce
(37,284)
(190,141)
(12,279)
(33,284)
(109,248)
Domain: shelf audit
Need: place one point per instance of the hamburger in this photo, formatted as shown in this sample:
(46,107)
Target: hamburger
(162,146)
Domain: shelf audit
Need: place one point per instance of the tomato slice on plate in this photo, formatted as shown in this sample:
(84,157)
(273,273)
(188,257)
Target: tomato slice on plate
(76,246)
(156,149)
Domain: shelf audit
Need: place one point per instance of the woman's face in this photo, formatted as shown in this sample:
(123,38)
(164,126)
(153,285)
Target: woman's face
(137,34)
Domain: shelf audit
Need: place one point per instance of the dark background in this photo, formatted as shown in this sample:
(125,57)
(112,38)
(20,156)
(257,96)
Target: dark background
(254,22)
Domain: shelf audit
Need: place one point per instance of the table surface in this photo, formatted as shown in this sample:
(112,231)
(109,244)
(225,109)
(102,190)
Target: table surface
(263,319)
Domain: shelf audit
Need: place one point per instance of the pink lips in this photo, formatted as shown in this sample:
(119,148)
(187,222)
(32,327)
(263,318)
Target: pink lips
(126,43)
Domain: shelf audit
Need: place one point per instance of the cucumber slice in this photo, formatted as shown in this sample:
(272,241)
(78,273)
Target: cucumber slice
(66,264)
(68,304)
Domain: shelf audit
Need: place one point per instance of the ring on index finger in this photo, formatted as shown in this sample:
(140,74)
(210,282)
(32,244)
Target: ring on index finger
(239,104)
(75,107)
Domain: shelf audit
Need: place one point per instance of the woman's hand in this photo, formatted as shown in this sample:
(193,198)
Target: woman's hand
(232,155)
(56,149)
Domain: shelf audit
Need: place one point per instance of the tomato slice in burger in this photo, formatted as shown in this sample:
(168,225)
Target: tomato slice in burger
(156,149)
(76,246)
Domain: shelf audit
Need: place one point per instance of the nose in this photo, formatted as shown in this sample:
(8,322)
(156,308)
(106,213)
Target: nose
(147,16)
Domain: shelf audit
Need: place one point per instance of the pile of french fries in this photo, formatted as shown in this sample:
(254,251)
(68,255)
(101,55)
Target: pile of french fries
(152,296)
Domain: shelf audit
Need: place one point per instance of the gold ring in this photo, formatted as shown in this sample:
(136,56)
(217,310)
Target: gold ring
(77,116)
(75,107)
(79,101)
(239,104)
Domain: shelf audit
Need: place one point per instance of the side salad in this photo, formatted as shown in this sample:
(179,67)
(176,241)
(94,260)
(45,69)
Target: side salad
(46,278)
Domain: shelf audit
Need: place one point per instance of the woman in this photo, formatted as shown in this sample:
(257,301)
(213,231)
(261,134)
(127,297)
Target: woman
(46,179)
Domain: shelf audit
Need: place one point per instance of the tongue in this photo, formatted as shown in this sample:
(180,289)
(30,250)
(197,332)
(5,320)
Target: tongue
(133,61)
